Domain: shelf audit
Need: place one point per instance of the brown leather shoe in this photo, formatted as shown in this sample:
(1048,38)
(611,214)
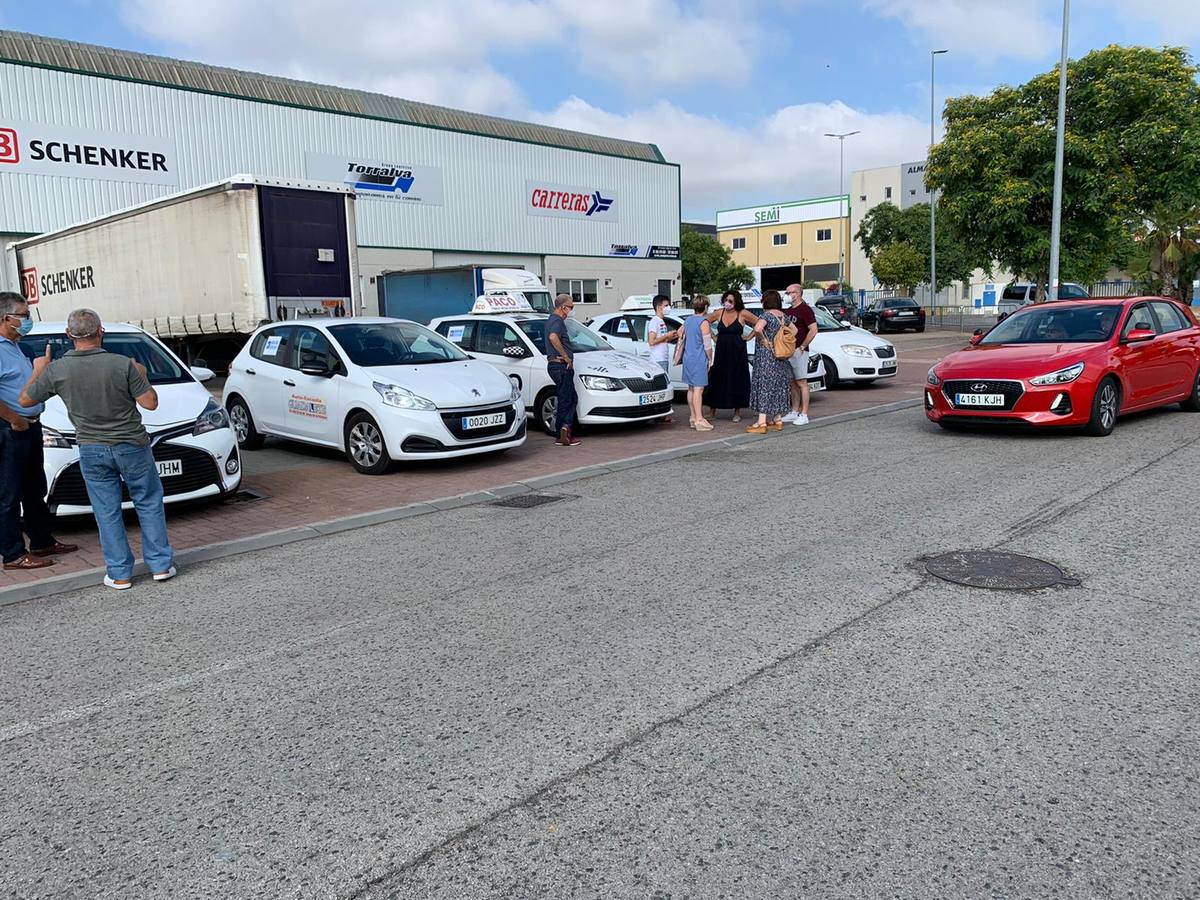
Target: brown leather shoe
(27,562)
(566,439)
(56,549)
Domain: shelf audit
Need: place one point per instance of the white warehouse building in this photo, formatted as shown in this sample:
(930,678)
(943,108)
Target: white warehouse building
(87,130)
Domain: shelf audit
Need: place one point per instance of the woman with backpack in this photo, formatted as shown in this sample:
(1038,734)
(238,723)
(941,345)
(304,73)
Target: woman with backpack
(771,383)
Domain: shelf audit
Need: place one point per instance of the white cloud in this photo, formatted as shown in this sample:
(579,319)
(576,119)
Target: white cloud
(439,51)
(1175,21)
(784,156)
(1013,29)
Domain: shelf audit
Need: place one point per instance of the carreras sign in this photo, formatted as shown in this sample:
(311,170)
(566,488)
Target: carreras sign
(388,179)
(560,201)
(38,149)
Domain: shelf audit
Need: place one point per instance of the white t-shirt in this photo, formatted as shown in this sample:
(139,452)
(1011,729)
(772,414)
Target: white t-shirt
(661,352)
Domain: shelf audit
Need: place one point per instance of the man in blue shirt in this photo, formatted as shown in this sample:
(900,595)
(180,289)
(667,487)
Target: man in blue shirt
(22,463)
(560,361)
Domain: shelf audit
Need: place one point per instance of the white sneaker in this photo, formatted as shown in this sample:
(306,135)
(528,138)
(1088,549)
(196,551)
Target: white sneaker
(800,420)
(791,417)
(165,576)
(117,585)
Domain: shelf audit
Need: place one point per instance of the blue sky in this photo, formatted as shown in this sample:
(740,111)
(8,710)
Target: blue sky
(739,93)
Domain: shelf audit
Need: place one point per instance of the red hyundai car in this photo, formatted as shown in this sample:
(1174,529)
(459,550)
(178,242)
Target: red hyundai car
(1076,363)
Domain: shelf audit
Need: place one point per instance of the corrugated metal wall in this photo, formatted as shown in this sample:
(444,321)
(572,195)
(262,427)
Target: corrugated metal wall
(484,178)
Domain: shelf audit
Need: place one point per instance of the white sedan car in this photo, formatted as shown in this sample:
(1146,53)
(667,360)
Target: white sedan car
(851,354)
(379,389)
(626,331)
(190,436)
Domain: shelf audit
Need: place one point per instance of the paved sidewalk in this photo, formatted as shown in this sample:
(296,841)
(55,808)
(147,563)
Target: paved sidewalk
(303,485)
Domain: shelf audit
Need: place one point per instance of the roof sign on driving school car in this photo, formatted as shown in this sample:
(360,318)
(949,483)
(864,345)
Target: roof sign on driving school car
(491,304)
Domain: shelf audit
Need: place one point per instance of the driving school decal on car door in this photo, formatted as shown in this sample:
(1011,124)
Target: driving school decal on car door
(309,407)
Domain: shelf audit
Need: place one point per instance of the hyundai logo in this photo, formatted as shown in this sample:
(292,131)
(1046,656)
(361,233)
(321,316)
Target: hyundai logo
(979,387)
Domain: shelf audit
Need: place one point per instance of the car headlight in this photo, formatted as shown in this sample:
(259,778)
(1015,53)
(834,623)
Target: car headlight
(855,350)
(515,395)
(932,378)
(211,419)
(1062,376)
(401,398)
(55,439)
(600,383)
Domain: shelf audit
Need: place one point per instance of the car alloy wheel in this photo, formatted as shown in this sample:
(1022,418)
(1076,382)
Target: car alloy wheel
(240,422)
(366,444)
(550,414)
(1108,405)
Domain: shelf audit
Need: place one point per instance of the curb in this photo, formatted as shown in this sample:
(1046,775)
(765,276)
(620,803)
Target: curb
(61,584)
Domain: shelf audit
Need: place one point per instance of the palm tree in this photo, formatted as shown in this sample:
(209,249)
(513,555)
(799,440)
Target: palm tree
(1171,239)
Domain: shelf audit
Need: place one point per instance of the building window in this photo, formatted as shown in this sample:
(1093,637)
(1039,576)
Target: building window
(862,198)
(913,192)
(887,193)
(966,288)
(824,234)
(739,243)
(582,290)
(779,240)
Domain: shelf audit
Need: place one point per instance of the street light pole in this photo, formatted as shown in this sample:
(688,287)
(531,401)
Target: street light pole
(841,182)
(933,55)
(1056,215)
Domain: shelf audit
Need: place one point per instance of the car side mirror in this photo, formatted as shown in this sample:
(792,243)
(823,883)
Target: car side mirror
(317,370)
(200,373)
(1138,335)
(976,338)
(846,322)
(978,332)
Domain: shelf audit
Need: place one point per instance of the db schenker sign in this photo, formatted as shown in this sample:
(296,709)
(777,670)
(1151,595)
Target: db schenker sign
(31,148)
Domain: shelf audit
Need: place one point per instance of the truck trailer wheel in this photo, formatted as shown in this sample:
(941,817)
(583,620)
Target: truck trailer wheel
(247,435)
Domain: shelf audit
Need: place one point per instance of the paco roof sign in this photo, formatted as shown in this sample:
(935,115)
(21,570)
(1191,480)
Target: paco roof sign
(31,148)
(493,304)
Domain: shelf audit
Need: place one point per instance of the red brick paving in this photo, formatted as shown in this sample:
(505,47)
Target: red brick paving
(322,486)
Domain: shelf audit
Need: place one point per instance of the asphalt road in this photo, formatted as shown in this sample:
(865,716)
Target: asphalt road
(726,675)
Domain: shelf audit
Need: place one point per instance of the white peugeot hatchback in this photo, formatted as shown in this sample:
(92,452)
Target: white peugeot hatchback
(379,389)
(193,444)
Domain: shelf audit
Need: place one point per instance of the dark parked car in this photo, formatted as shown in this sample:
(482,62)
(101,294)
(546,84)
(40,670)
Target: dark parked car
(841,307)
(893,314)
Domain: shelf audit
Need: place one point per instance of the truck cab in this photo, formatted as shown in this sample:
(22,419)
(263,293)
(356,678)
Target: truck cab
(504,330)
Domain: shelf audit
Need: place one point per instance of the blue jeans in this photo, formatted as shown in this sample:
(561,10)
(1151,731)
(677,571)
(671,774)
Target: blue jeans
(564,380)
(104,467)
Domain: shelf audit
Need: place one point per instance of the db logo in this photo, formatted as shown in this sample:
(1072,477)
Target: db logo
(10,150)
(29,285)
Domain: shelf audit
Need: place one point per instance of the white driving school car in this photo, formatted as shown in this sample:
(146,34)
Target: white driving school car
(612,386)
(190,436)
(379,389)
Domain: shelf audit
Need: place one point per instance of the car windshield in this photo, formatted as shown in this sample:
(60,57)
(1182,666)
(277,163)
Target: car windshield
(899,304)
(827,322)
(1056,324)
(583,339)
(394,344)
(161,366)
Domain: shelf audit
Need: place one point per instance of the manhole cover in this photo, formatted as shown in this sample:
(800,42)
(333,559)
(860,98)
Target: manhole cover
(528,501)
(997,571)
(245,496)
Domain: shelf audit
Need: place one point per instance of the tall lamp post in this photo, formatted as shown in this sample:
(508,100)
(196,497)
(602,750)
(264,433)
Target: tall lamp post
(933,55)
(841,182)
(1056,215)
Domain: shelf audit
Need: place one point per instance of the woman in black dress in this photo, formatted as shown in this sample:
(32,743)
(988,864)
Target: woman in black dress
(729,377)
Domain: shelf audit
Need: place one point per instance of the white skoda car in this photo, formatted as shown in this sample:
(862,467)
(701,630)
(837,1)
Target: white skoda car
(193,444)
(379,389)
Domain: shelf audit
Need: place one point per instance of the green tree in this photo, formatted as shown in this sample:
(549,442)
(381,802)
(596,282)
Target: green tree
(886,224)
(1171,242)
(707,267)
(900,265)
(1132,146)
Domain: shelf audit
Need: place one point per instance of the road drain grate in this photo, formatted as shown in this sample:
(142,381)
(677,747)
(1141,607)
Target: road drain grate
(245,496)
(528,501)
(997,571)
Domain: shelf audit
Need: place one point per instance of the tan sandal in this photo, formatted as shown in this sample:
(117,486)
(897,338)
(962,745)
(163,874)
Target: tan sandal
(756,429)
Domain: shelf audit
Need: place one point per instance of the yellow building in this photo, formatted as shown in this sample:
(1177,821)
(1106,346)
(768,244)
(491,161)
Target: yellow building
(786,243)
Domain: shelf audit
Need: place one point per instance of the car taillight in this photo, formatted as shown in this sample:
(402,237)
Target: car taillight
(889,312)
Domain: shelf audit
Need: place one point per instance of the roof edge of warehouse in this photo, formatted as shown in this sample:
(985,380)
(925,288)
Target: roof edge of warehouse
(213,187)
(22,48)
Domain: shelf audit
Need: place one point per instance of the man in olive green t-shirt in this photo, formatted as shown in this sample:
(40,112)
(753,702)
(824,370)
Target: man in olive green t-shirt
(102,392)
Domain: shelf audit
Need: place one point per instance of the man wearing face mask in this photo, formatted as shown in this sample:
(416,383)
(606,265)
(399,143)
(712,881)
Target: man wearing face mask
(22,466)
(560,361)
